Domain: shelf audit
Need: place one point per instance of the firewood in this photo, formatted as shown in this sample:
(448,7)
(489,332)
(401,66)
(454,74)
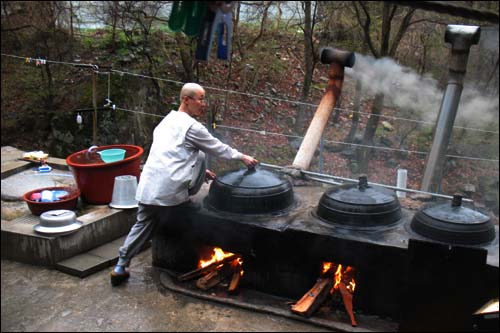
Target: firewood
(237,273)
(347,299)
(235,282)
(210,280)
(204,270)
(311,300)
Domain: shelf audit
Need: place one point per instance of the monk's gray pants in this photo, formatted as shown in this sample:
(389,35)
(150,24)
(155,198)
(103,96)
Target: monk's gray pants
(148,217)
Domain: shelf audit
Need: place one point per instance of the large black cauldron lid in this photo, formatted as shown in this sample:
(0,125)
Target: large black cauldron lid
(360,205)
(354,194)
(453,223)
(251,178)
(457,214)
(251,191)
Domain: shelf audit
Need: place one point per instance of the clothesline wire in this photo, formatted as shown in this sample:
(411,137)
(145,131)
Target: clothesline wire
(262,132)
(257,95)
(49,61)
(300,102)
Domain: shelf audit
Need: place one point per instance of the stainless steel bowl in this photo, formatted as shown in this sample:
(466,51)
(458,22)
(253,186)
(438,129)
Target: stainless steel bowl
(59,221)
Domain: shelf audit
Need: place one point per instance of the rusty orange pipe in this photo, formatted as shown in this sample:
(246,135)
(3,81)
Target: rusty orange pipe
(337,59)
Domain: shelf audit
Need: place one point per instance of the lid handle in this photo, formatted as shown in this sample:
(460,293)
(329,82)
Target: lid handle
(456,201)
(362,183)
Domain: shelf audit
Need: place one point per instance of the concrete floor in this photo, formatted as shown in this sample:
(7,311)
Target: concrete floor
(36,298)
(40,299)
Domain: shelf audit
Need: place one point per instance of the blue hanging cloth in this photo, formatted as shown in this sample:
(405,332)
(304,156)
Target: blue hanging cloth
(218,19)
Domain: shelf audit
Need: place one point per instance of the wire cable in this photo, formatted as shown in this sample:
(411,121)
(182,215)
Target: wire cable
(358,145)
(263,96)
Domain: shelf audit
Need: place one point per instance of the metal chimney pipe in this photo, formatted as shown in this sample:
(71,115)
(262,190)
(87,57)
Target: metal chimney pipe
(461,38)
(337,59)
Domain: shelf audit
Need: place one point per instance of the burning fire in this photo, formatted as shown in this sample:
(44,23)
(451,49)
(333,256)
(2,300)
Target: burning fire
(238,265)
(340,275)
(218,255)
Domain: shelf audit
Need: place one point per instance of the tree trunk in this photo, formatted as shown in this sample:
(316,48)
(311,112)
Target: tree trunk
(386,49)
(186,57)
(309,67)
(71,20)
(371,127)
(114,21)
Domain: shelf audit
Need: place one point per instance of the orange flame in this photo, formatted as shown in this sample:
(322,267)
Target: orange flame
(351,286)
(326,267)
(240,265)
(339,276)
(217,256)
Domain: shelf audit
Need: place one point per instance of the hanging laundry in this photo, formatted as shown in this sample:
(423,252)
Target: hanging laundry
(194,18)
(179,14)
(187,16)
(218,19)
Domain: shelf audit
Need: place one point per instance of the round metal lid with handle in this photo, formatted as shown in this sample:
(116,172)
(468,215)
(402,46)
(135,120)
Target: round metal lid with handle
(58,222)
(250,191)
(453,223)
(359,205)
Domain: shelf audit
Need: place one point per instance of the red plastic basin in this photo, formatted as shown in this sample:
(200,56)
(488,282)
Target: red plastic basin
(69,202)
(95,178)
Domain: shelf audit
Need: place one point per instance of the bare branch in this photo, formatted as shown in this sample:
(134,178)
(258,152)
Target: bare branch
(366,26)
(17,28)
(402,29)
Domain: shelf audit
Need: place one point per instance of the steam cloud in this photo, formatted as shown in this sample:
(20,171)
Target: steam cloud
(405,89)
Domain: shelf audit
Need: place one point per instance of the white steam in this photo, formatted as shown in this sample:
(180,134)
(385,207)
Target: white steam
(475,110)
(405,89)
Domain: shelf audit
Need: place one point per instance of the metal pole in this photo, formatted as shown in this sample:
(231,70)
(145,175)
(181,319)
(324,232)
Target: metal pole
(94,104)
(461,38)
(393,188)
(308,173)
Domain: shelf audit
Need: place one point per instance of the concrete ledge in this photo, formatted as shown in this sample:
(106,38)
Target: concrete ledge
(10,168)
(57,163)
(102,225)
(93,261)
(83,265)
(15,166)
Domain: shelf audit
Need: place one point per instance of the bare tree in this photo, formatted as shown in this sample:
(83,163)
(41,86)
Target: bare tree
(45,27)
(262,10)
(138,17)
(387,46)
(310,58)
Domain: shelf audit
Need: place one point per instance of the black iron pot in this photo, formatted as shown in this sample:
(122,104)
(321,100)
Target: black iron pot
(453,223)
(250,191)
(359,205)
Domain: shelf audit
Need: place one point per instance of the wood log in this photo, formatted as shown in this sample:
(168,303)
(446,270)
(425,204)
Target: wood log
(235,282)
(312,300)
(216,276)
(210,280)
(347,299)
(204,270)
